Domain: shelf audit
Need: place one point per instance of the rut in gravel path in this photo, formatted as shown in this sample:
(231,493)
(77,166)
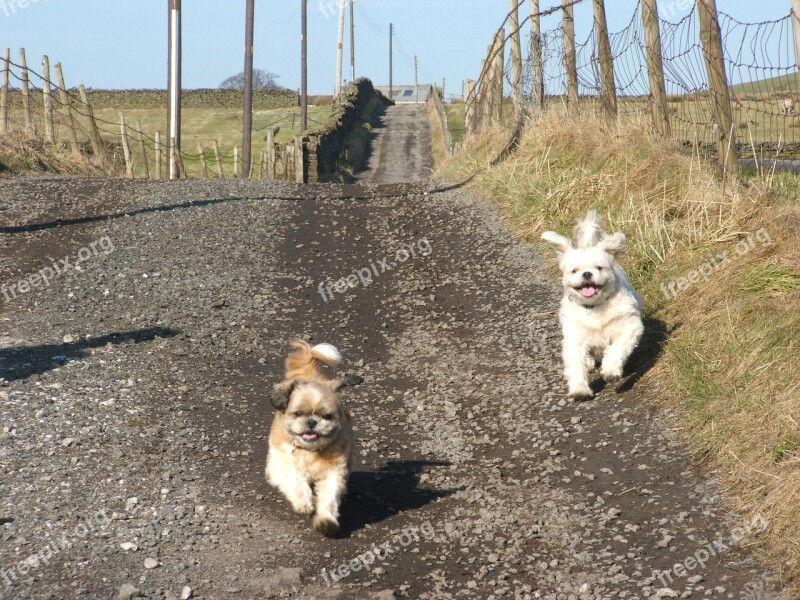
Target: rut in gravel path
(138,386)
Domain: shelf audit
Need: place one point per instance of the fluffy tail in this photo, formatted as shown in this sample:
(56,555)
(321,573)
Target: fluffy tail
(589,231)
(305,360)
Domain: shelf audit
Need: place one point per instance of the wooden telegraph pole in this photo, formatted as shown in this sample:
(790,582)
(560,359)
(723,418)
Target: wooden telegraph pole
(247,125)
(570,56)
(711,38)
(655,68)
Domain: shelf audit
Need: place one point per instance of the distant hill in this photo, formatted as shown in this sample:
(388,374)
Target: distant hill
(774,85)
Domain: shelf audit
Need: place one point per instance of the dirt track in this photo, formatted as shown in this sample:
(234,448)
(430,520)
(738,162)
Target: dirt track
(136,403)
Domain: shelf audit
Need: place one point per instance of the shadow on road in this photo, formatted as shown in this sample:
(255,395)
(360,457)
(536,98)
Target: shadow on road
(377,495)
(23,361)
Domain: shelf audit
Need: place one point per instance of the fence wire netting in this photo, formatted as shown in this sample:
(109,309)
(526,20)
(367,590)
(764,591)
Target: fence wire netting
(760,63)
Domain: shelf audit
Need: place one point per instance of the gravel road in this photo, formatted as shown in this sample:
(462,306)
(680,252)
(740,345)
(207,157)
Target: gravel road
(135,403)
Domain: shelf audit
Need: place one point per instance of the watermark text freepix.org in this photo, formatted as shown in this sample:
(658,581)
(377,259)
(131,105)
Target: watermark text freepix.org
(365,274)
(381,553)
(97,521)
(43,277)
(9,7)
(713,549)
(716,263)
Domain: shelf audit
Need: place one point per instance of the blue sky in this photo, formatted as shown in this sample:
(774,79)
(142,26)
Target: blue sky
(113,44)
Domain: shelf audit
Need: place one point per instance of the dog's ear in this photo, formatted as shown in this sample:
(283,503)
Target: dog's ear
(345,381)
(281,392)
(614,244)
(561,243)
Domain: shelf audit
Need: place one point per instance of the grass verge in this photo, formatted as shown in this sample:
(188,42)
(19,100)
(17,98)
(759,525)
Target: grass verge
(719,268)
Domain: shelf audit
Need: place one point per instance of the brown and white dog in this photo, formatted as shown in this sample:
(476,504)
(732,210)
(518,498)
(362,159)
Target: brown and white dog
(311,440)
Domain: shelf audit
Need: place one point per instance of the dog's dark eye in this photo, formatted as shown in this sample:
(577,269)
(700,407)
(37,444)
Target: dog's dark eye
(599,268)
(327,417)
(298,414)
(574,271)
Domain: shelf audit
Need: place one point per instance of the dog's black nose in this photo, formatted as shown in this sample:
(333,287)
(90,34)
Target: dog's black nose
(587,275)
(311,423)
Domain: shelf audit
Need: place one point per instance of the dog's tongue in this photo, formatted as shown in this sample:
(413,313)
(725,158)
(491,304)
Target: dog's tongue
(588,291)
(310,437)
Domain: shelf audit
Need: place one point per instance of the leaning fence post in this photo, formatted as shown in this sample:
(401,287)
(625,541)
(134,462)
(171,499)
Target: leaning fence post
(516,55)
(66,101)
(203,161)
(126,148)
(26,92)
(4,97)
(537,65)
(94,132)
(218,158)
(236,161)
(270,153)
(796,30)
(711,39)
(655,68)
(499,78)
(159,174)
(142,149)
(609,89)
(570,56)
(47,96)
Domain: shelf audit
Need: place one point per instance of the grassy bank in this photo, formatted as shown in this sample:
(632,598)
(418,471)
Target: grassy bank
(719,268)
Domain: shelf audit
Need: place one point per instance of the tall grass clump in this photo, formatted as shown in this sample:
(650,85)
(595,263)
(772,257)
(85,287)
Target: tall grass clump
(731,253)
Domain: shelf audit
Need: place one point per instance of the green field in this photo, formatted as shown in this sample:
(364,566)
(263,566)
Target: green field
(207,116)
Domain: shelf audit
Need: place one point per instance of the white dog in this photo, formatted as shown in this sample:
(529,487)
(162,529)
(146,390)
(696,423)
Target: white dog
(600,312)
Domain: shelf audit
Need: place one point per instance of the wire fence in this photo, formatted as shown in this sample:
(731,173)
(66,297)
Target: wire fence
(36,107)
(760,64)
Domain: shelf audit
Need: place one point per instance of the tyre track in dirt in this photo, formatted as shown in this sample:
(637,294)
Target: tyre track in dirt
(145,376)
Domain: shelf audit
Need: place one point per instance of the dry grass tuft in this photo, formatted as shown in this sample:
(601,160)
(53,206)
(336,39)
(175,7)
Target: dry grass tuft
(730,364)
(22,155)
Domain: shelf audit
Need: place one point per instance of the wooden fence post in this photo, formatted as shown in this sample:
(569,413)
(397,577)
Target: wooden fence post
(47,96)
(270,153)
(796,30)
(263,171)
(26,93)
(4,91)
(126,148)
(499,77)
(655,68)
(236,161)
(570,56)
(66,101)
(608,84)
(711,39)
(220,172)
(482,97)
(516,55)
(469,107)
(94,133)
(159,174)
(203,162)
(537,61)
(299,160)
(142,149)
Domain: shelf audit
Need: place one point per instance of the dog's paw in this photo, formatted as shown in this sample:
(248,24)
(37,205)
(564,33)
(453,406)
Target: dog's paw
(611,375)
(581,393)
(327,526)
(303,508)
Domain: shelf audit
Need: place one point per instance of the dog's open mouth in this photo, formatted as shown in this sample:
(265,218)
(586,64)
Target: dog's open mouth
(589,290)
(309,436)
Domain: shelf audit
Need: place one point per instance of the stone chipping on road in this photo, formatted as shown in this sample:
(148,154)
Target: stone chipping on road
(135,411)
